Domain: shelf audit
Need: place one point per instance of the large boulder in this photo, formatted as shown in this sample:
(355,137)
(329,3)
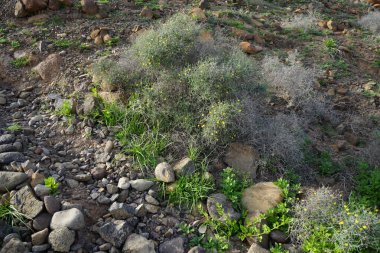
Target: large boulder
(261,197)
(9,180)
(243,158)
(50,67)
(25,202)
(138,244)
(71,218)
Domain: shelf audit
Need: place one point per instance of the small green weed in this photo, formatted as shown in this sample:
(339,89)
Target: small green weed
(63,43)
(65,110)
(186,228)
(20,62)
(52,185)
(113,41)
(15,127)
(278,249)
(15,44)
(3,41)
(232,186)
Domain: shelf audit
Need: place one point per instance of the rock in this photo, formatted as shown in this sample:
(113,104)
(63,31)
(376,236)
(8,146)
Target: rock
(350,138)
(42,221)
(173,246)
(9,180)
(107,38)
(278,236)
(140,210)
(40,237)
(109,146)
(14,245)
(198,14)
(7,138)
(197,249)
(255,248)
(152,208)
(121,211)
(3,100)
(52,204)
(25,202)
(112,189)
(243,158)
(248,48)
(89,104)
(89,7)
(146,12)
(123,183)
(242,34)
(116,232)
(72,183)
(61,239)
(138,244)
(41,190)
(41,248)
(103,200)
(98,172)
(141,184)
(32,6)
(261,197)
(98,40)
(8,157)
(164,172)
(50,67)
(332,25)
(71,218)
(83,177)
(184,167)
(218,199)
(54,5)
(151,200)
(20,11)
(33,120)
(204,4)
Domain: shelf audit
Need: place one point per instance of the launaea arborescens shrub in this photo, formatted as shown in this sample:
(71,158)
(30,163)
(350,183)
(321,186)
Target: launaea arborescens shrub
(323,222)
(371,21)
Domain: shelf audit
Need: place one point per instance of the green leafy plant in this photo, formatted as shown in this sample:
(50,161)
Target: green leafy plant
(15,127)
(186,228)
(232,186)
(278,249)
(15,44)
(63,43)
(367,184)
(113,41)
(20,62)
(52,185)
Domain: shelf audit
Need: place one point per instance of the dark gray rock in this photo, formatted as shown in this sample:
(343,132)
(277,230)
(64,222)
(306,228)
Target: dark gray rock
(14,245)
(217,203)
(42,221)
(7,148)
(25,202)
(9,180)
(184,167)
(8,157)
(173,246)
(52,204)
(116,232)
(122,211)
(7,138)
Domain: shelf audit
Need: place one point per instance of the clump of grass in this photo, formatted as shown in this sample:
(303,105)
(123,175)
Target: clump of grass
(190,190)
(324,223)
(21,62)
(9,213)
(65,109)
(63,43)
(301,21)
(15,127)
(15,44)
(371,21)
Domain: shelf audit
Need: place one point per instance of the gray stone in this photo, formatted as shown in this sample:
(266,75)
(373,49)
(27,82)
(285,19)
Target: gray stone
(184,167)
(33,120)
(278,236)
(255,248)
(61,239)
(7,148)
(40,237)
(204,4)
(10,237)
(152,208)
(3,100)
(71,218)
(7,138)
(173,246)
(103,200)
(140,210)
(42,221)
(111,189)
(41,190)
(98,172)
(8,157)
(109,146)
(141,184)
(151,200)
(41,248)
(197,249)
(122,211)
(123,183)
(52,204)
(105,247)
(116,232)
(50,67)
(14,245)
(89,104)
(164,172)
(9,180)
(217,200)
(138,244)
(25,202)
(83,177)
(72,183)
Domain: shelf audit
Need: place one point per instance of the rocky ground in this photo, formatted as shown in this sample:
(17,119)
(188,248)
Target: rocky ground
(102,203)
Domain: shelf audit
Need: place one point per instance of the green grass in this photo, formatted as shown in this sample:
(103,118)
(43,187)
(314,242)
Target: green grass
(9,213)
(367,184)
(65,110)
(15,127)
(63,43)
(190,190)
(3,41)
(20,62)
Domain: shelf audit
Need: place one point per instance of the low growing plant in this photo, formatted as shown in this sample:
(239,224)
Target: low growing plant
(9,213)
(52,185)
(20,62)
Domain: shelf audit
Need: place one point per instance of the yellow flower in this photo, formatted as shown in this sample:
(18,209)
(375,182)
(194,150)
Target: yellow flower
(346,244)
(356,221)
(365,227)
(376,210)
(341,222)
(360,229)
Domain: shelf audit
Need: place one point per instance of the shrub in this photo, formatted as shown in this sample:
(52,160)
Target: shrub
(172,44)
(232,186)
(301,21)
(371,21)
(292,81)
(324,223)
(367,184)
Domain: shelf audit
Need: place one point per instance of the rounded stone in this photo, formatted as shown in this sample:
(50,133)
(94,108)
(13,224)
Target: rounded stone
(71,218)
(164,172)
(61,239)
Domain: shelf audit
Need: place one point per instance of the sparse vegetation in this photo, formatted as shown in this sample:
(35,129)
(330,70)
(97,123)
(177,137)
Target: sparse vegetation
(9,213)
(15,127)
(371,21)
(20,62)
(51,183)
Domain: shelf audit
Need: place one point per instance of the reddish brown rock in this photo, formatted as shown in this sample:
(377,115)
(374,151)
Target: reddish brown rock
(146,13)
(32,6)
(248,48)
(89,7)
(241,34)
